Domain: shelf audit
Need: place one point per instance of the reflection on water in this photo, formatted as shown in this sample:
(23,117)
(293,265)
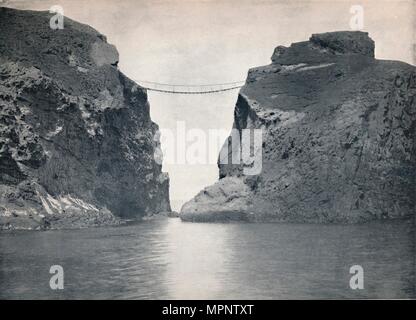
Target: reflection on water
(169,259)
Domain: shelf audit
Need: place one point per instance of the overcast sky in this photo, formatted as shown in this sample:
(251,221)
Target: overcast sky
(197,42)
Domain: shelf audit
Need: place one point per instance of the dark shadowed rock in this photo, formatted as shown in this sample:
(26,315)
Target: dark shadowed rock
(338,136)
(345,43)
(76,138)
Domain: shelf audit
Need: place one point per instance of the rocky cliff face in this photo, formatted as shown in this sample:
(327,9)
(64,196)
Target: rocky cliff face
(76,138)
(338,137)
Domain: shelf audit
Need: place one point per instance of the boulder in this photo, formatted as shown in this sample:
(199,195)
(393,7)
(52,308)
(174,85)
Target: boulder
(338,136)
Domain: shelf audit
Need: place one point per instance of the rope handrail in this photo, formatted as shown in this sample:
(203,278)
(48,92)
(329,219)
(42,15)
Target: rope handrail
(191,85)
(189,88)
(191,92)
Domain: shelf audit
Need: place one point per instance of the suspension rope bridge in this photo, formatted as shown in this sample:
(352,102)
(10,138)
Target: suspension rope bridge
(189,88)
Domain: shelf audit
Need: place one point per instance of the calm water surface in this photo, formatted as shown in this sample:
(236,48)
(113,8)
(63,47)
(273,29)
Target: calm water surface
(169,259)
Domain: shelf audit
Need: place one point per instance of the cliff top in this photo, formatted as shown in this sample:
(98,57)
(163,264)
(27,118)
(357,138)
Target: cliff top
(324,70)
(325,46)
(345,42)
(77,51)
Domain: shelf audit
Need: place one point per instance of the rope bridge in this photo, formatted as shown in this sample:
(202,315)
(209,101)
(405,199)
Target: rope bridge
(190,89)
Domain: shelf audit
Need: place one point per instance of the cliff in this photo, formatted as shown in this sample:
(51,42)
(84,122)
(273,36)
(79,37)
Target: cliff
(76,139)
(338,132)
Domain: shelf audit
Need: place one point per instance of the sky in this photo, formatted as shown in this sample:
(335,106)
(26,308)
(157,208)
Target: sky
(212,41)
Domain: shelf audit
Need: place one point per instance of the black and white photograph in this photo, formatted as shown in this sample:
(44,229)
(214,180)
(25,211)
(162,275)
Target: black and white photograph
(207,150)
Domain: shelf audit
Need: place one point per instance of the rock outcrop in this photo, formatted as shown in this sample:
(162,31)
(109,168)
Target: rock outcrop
(76,139)
(338,131)
(226,200)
